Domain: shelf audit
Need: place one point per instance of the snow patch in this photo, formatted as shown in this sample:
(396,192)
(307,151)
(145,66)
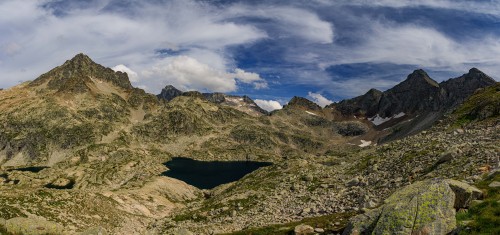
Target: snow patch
(365,143)
(399,115)
(312,113)
(377,120)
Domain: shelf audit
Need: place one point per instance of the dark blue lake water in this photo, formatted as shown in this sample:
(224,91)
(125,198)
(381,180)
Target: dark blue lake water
(207,175)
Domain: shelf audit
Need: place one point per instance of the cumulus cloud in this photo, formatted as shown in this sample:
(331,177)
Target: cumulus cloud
(187,73)
(114,36)
(268,105)
(319,99)
(132,75)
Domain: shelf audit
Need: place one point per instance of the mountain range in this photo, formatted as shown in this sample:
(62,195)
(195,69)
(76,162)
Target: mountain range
(83,151)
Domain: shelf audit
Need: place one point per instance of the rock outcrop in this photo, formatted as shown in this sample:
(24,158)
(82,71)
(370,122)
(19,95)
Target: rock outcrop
(425,207)
(22,225)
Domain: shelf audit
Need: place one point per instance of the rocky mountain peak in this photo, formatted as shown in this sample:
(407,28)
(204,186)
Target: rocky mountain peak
(77,74)
(169,92)
(80,60)
(374,92)
(419,76)
(297,101)
(476,74)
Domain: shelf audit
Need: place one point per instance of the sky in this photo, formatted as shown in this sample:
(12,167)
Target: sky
(270,50)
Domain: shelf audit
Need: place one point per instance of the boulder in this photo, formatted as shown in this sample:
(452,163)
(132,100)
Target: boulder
(362,223)
(464,193)
(494,184)
(303,229)
(425,207)
(32,226)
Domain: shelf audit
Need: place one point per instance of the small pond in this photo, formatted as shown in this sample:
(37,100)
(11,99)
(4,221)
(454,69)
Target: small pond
(207,175)
(69,185)
(34,169)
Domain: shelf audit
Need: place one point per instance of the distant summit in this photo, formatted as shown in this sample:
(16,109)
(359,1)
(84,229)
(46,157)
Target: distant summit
(418,100)
(301,102)
(417,93)
(75,76)
(169,92)
(241,103)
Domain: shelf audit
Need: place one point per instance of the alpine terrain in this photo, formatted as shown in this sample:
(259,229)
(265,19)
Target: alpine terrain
(82,151)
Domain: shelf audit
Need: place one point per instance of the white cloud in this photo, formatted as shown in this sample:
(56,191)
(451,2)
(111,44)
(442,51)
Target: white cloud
(44,40)
(422,46)
(268,105)
(483,7)
(295,21)
(319,99)
(187,73)
(132,75)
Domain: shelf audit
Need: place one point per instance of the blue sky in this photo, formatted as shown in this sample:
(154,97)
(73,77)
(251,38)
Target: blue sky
(270,50)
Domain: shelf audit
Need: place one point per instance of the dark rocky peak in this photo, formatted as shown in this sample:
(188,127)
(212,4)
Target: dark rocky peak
(75,76)
(373,93)
(460,88)
(476,74)
(169,92)
(80,61)
(302,103)
(419,79)
(362,105)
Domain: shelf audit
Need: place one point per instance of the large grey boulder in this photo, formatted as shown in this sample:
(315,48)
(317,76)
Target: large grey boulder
(32,226)
(303,229)
(425,207)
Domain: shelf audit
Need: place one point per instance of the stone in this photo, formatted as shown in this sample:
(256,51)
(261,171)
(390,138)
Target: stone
(306,211)
(464,193)
(370,204)
(446,157)
(353,182)
(303,229)
(494,184)
(21,225)
(361,224)
(308,178)
(425,207)
(319,230)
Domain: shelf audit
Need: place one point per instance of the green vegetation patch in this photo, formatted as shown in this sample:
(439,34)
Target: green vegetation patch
(484,217)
